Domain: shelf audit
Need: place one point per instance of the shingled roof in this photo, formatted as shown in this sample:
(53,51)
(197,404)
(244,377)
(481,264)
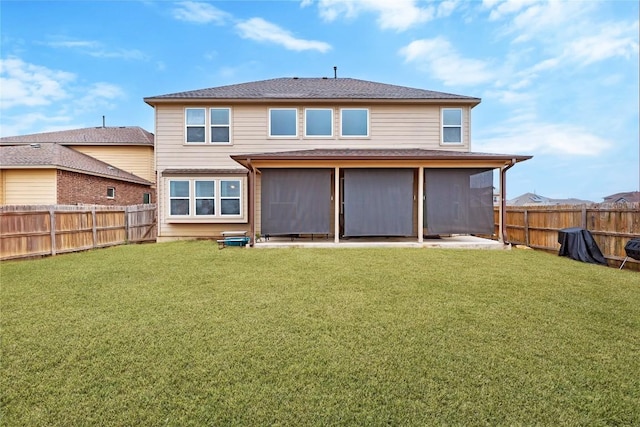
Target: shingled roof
(314,88)
(125,135)
(376,154)
(51,155)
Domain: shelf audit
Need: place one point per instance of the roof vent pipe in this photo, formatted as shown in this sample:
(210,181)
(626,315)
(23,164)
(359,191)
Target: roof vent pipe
(335,72)
(103,121)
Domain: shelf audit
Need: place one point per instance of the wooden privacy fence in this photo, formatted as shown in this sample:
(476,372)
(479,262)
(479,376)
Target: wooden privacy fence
(612,226)
(27,231)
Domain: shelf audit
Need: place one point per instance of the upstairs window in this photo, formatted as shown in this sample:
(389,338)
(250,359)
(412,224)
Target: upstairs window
(195,123)
(452,126)
(318,122)
(354,122)
(283,122)
(220,125)
(204,125)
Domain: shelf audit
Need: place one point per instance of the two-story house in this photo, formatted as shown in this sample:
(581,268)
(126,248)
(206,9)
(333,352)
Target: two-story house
(338,157)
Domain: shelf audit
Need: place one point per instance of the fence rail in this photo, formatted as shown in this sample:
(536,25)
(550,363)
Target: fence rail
(611,226)
(27,231)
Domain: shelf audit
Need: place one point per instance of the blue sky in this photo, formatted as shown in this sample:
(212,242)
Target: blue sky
(558,80)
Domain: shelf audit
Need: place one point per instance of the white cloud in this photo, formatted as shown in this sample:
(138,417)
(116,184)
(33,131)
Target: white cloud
(506,7)
(397,15)
(510,97)
(105,90)
(446,8)
(97,49)
(543,138)
(27,123)
(263,31)
(611,40)
(74,44)
(438,57)
(38,99)
(200,13)
(25,84)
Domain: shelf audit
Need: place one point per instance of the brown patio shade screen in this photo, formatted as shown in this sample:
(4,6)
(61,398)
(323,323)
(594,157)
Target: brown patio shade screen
(458,201)
(378,202)
(296,201)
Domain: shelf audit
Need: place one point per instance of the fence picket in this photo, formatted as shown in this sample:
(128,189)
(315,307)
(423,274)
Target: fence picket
(72,228)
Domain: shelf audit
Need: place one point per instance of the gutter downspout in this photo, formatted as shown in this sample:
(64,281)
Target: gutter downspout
(503,201)
(251,193)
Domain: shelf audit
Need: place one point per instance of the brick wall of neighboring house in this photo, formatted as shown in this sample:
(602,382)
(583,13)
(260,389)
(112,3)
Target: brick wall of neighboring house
(76,188)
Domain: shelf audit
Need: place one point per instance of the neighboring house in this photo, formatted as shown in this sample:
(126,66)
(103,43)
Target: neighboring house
(50,173)
(532,199)
(315,156)
(128,148)
(629,197)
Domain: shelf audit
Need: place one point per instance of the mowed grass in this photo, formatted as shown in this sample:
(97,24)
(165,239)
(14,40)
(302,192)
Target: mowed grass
(183,334)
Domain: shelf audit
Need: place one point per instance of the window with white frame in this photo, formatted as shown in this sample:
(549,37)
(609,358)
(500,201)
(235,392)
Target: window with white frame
(179,196)
(318,122)
(283,122)
(229,197)
(220,122)
(205,198)
(111,192)
(195,122)
(354,122)
(212,125)
(452,126)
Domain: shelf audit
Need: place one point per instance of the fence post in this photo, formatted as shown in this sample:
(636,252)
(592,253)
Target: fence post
(583,217)
(52,232)
(526,227)
(94,226)
(126,225)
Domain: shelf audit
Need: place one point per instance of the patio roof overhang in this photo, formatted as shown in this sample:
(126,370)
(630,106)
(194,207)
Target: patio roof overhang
(377,158)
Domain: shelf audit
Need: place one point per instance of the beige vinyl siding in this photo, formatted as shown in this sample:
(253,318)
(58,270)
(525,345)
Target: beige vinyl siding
(29,186)
(391,126)
(137,160)
(2,184)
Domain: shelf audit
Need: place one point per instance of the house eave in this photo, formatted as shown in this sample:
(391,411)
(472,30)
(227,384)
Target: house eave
(380,158)
(472,102)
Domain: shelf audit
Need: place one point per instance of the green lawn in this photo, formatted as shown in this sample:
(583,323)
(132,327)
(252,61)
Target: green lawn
(185,334)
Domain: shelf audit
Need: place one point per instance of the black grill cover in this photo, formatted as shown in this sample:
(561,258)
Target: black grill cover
(577,243)
(632,249)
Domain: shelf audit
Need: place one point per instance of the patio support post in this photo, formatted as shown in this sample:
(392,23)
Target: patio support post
(421,204)
(336,205)
(252,202)
(502,237)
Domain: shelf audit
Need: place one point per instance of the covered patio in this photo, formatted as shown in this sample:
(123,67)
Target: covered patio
(383,196)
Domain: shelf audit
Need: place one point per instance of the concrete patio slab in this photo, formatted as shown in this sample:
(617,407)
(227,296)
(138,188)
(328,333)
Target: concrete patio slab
(452,242)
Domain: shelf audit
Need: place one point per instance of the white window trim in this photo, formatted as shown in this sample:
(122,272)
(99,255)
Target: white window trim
(217,217)
(111,190)
(331,123)
(284,136)
(368,123)
(212,125)
(170,198)
(442,126)
(207,125)
(187,126)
